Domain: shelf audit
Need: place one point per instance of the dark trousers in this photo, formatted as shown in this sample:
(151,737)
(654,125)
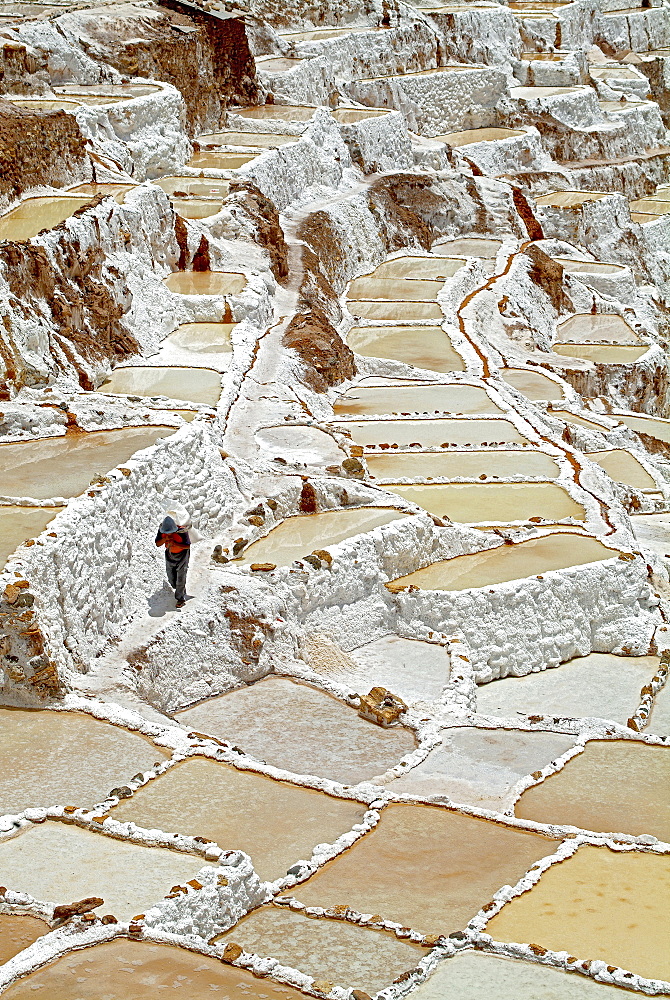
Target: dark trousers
(176,567)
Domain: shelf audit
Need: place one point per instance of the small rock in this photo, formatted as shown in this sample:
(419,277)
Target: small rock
(232,952)
(67,910)
(263,567)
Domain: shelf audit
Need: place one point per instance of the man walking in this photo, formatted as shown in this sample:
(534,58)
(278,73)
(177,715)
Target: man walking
(177,544)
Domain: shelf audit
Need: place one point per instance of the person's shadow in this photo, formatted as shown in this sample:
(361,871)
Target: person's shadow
(162,601)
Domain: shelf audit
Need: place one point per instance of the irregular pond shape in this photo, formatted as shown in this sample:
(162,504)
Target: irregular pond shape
(426,347)
(573,418)
(614,786)
(589,267)
(277,64)
(130,970)
(596,327)
(431,433)
(195,208)
(64,466)
(221,160)
(505,502)
(205,282)
(297,536)
(197,385)
(35,214)
(462,464)
(277,112)
(203,338)
(410,668)
(396,311)
(426,868)
(205,187)
(647,425)
(560,199)
(18,524)
(65,758)
(655,206)
(326,737)
(117,191)
(480,767)
(349,116)
(598,904)
(507,562)
(470,975)
(393,289)
(17,933)
(57,863)
(470,246)
(659,722)
(601,355)
(261,140)
(336,951)
(653,532)
(471,136)
(623,467)
(532,384)
(417,398)
(600,685)
(276,824)
(419,267)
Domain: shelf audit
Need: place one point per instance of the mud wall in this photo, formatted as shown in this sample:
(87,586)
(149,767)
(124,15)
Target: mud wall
(38,148)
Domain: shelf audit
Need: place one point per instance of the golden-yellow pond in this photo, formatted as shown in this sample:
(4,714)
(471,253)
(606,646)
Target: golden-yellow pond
(130,970)
(425,868)
(611,787)
(507,562)
(599,904)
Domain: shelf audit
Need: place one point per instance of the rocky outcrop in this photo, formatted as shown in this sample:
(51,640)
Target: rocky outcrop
(264,218)
(38,148)
(327,359)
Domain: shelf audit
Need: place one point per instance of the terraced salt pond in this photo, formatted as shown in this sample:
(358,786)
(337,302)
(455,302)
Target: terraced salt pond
(452,863)
(203,187)
(202,338)
(647,425)
(594,791)
(602,355)
(590,267)
(221,160)
(431,268)
(80,759)
(116,191)
(504,502)
(426,347)
(469,246)
(433,433)
(197,385)
(623,467)
(573,418)
(471,136)
(394,289)
(600,685)
(562,199)
(469,975)
(205,282)
(507,562)
(417,398)
(462,464)
(35,214)
(336,951)
(18,524)
(320,743)
(532,384)
(276,112)
(597,327)
(297,536)
(195,208)
(481,767)
(17,933)
(64,466)
(259,140)
(275,823)
(128,877)
(598,904)
(130,970)
(395,311)
(349,116)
